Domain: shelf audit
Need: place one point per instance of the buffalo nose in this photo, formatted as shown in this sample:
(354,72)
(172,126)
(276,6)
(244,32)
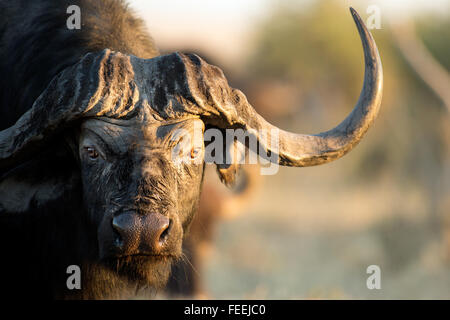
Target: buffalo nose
(137,234)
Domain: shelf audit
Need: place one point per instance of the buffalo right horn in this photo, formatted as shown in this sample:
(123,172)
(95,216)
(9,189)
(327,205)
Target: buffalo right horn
(222,106)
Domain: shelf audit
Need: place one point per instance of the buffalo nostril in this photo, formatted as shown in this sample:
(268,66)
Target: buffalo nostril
(118,223)
(118,242)
(165,232)
(117,229)
(155,232)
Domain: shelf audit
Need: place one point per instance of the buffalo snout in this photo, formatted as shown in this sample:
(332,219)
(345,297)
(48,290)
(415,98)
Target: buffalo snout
(136,234)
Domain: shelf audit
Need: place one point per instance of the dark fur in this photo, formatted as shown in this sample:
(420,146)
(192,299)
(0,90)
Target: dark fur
(37,246)
(35,44)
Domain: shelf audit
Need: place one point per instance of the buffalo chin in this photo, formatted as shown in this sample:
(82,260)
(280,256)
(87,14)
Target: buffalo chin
(144,269)
(140,271)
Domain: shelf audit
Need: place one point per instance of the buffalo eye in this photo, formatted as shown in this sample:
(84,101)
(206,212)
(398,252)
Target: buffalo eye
(91,152)
(195,152)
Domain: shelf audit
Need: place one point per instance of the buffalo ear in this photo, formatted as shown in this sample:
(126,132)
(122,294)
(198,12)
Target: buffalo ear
(227,171)
(37,182)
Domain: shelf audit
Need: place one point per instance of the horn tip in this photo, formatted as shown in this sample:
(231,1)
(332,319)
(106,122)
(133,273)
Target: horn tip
(355,14)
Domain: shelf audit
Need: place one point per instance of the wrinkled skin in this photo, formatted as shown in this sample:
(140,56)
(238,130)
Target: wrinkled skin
(133,172)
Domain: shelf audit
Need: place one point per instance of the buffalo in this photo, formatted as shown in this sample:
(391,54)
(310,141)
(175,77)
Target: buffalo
(90,145)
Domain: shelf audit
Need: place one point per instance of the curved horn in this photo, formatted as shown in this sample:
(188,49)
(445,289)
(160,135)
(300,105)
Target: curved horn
(308,150)
(100,84)
(225,107)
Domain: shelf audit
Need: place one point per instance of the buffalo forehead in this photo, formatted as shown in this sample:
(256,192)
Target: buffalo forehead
(132,132)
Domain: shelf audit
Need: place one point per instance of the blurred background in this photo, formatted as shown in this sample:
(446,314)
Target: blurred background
(309,233)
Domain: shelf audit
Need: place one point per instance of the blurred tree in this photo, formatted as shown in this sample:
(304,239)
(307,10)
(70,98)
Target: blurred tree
(436,177)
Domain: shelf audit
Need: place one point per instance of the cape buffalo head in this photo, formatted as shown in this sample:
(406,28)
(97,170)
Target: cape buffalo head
(133,128)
